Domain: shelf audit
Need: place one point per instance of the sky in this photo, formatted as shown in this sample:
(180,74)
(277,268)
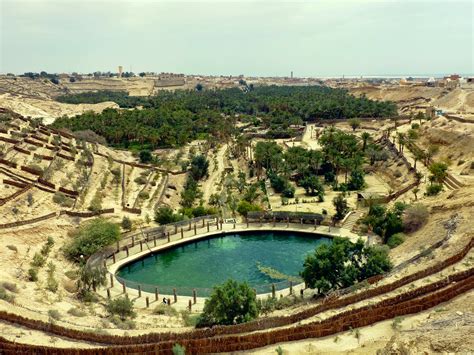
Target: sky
(253,38)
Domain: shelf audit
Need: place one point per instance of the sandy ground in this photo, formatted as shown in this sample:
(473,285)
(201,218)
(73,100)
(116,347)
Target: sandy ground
(49,110)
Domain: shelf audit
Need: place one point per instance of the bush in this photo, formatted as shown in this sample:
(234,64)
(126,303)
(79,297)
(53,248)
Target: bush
(4,295)
(77,312)
(342,264)
(33,274)
(230,303)
(122,307)
(165,215)
(434,189)
(10,286)
(125,324)
(395,240)
(38,260)
(143,195)
(165,310)
(96,204)
(54,313)
(145,156)
(126,224)
(414,218)
(90,237)
(199,167)
(179,349)
(140,180)
(245,207)
(62,200)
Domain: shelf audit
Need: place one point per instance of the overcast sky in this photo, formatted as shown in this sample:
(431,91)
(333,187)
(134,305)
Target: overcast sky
(268,38)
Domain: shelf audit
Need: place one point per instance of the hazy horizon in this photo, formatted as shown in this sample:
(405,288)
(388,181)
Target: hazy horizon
(265,38)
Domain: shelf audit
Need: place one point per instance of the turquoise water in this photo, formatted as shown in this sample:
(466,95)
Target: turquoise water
(205,263)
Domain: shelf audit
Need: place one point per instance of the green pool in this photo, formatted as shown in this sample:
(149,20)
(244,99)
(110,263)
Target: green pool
(260,258)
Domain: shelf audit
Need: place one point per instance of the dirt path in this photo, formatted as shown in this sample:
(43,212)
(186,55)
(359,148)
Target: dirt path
(215,172)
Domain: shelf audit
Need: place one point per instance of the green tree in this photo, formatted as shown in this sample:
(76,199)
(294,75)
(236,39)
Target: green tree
(244,207)
(91,278)
(145,156)
(91,236)
(438,172)
(354,123)
(312,186)
(342,263)
(165,215)
(126,223)
(229,303)
(340,203)
(199,167)
(122,307)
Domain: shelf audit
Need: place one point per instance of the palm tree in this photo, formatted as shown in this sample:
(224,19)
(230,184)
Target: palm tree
(415,191)
(365,137)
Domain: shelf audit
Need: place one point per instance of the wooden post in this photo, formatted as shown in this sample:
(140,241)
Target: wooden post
(190,305)
(194,296)
(221,223)
(247,221)
(141,245)
(234,225)
(154,240)
(108,293)
(118,246)
(273,291)
(111,280)
(189,228)
(208,226)
(301,220)
(139,291)
(260,221)
(175,229)
(133,241)
(157,295)
(126,250)
(147,300)
(217,223)
(291,287)
(175,296)
(274,221)
(124,288)
(202,223)
(287,221)
(195,231)
(168,301)
(113,258)
(168,236)
(182,233)
(315,223)
(302,293)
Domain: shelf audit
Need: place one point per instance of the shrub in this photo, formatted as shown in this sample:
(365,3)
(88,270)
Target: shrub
(10,286)
(122,307)
(165,215)
(179,349)
(38,260)
(4,295)
(245,207)
(126,223)
(62,200)
(140,180)
(395,240)
(143,195)
(52,284)
(189,320)
(199,167)
(434,189)
(96,204)
(33,274)
(54,313)
(415,217)
(145,156)
(12,247)
(342,264)
(77,312)
(90,237)
(125,324)
(230,303)
(165,310)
